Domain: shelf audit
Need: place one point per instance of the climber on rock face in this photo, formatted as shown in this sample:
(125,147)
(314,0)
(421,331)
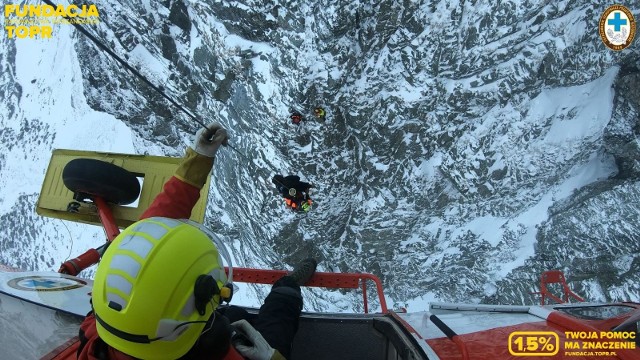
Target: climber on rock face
(294,192)
(296,117)
(319,112)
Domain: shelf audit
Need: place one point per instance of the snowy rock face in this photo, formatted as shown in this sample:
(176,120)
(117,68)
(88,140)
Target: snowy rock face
(467,147)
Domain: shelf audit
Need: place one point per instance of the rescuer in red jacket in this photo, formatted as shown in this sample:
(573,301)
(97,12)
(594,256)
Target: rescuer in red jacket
(158,286)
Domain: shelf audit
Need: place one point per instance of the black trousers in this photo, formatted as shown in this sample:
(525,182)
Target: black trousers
(278,317)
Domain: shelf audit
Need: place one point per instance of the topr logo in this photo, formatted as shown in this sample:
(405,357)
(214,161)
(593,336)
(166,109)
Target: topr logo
(617,27)
(36,21)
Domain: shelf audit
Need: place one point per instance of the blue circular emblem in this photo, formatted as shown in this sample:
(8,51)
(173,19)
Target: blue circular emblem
(45,283)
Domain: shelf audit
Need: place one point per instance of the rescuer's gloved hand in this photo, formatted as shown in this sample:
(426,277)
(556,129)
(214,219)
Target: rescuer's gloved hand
(209,140)
(259,350)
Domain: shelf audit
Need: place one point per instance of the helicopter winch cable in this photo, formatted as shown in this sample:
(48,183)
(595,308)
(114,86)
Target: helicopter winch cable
(238,152)
(135,72)
(128,67)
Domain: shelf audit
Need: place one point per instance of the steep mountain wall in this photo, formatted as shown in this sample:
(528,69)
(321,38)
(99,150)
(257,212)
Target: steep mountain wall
(468,145)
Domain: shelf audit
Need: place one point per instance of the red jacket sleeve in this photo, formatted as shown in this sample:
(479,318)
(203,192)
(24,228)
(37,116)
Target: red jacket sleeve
(176,200)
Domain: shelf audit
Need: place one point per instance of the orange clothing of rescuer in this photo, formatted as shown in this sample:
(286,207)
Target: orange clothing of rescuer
(294,192)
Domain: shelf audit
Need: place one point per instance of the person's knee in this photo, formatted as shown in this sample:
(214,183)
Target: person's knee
(289,291)
(284,297)
(287,281)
